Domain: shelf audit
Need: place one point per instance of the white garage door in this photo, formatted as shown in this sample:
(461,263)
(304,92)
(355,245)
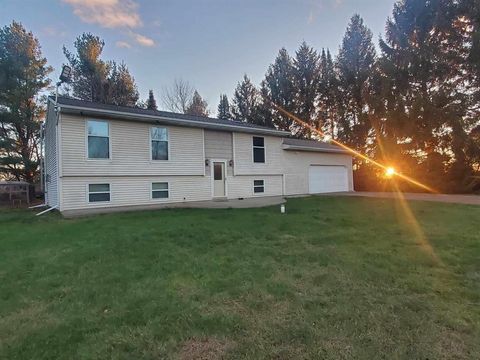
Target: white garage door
(325,179)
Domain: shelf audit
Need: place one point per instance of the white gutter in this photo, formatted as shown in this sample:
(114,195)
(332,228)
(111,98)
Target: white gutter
(314,149)
(185,122)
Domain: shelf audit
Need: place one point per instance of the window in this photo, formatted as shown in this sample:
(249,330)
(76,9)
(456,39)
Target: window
(160,190)
(258,149)
(159,138)
(98,140)
(258,186)
(98,192)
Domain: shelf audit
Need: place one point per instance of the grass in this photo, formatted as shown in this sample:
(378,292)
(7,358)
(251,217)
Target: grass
(339,278)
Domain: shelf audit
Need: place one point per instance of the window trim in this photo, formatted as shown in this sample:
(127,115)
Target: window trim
(109,141)
(151,191)
(151,140)
(99,192)
(256,186)
(259,147)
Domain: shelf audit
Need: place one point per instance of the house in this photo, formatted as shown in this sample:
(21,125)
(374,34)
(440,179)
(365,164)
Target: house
(104,156)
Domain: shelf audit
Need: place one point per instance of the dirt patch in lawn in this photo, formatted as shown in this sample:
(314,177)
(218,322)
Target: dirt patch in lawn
(204,349)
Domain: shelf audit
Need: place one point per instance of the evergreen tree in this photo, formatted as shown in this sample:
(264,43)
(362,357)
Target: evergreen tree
(327,95)
(278,90)
(23,75)
(245,102)
(90,72)
(423,88)
(151,102)
(122,89)
(224,112)
(306,80)
(355,63)
(198,106)
(97,80)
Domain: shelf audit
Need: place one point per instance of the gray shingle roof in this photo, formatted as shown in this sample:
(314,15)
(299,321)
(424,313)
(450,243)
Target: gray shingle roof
(311,145)
(74,105)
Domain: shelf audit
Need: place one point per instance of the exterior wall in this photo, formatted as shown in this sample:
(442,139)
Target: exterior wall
(134,190)
(241,186)
(130,150)
(297,163)
(130,171)
(51,163)
(218,145)
(243,155)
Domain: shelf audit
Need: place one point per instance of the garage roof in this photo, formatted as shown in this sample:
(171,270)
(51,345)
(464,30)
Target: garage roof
(311,145)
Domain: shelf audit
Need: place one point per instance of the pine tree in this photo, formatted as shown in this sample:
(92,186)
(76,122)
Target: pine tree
(122,89)
(97,80)
(151,102)
(278,90)
(423,88)
(90,72)
(327,95)
(245,102)
(355,63)
(23,75)
(306,80)
(224,112)
(198,106)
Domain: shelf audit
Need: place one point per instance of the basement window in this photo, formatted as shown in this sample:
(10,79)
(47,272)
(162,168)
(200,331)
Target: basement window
(258,186)
(160,190)
(98,193)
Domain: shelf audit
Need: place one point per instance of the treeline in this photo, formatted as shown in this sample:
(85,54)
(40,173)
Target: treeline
(414,104)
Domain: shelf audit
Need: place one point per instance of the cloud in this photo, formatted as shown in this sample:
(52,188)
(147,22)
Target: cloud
(112,14)
(143,40)
(318,6)
(123,44)
(107,13)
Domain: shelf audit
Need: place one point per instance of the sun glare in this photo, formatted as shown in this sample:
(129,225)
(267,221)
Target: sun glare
(389,172)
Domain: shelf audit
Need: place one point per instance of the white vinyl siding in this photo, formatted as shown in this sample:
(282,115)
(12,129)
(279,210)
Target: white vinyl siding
(297,165)
(130,150)
(134,190)
(243,186)
(218,145)
(243,161)
(51,160)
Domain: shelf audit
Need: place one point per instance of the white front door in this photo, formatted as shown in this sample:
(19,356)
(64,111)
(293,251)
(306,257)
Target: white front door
(219,179)
(326,179)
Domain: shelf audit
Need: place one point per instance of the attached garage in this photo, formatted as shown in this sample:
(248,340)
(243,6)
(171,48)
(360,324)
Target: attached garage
(327,179)
(314,167)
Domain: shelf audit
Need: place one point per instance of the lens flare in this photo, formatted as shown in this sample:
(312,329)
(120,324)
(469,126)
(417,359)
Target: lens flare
(347,148)
(390,172)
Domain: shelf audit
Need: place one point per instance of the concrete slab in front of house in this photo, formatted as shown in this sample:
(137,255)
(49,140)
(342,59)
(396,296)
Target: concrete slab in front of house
(226,204)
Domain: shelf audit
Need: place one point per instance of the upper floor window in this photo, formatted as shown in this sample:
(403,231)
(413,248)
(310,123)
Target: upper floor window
(98,140)
(258,149)
(159,139)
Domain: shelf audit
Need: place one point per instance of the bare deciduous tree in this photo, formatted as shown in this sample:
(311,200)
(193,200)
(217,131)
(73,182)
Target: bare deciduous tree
(178,96)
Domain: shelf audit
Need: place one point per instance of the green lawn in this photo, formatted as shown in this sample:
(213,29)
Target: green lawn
(340,278)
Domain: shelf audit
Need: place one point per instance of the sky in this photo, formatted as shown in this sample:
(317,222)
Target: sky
(209,43)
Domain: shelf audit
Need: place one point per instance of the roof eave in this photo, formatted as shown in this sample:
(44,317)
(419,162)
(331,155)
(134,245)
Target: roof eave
(80,110)
(314,149)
